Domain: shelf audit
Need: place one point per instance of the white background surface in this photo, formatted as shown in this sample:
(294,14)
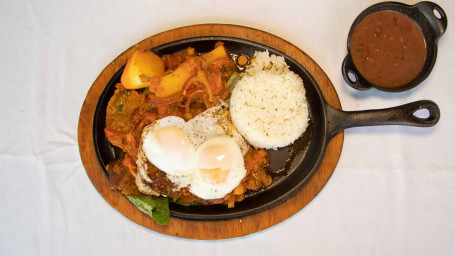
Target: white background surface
(392,193)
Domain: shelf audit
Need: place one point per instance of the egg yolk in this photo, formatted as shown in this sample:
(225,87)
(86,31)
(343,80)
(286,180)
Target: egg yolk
(174,141)
(214,163)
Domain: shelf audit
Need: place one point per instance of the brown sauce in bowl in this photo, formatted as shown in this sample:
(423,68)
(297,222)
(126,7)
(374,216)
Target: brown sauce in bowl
(388,49)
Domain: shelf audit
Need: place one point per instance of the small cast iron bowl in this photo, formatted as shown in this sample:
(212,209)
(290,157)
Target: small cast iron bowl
(431,19)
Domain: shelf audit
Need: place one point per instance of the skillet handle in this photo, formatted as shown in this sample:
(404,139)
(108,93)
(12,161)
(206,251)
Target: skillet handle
(401,115)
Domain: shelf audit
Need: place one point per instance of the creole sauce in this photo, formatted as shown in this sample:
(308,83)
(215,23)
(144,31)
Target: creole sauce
(388,49)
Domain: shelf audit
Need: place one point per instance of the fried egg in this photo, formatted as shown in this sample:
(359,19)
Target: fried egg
(167,146)
(219,168)
(188,151)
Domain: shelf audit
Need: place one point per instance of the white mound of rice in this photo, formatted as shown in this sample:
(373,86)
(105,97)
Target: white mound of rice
(268,105)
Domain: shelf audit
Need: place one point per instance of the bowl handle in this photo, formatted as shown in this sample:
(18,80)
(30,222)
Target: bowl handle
(435,15)
(351,76)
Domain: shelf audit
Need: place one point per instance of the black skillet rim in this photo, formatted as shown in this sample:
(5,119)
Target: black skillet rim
(225,213)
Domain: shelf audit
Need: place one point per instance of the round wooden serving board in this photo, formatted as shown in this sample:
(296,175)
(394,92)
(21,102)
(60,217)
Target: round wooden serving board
(214,229)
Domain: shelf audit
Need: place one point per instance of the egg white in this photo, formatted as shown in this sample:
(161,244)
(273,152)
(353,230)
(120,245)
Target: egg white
(207,190)
(179,162)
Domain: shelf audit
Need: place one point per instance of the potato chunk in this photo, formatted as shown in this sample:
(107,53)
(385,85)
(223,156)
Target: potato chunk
(173,82)
(142,66)
(218,53)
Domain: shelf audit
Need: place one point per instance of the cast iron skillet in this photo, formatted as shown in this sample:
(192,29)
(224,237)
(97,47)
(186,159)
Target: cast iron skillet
(424,14)
(291,166)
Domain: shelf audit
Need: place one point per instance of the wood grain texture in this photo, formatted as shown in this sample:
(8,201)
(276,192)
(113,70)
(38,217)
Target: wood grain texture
(200,229)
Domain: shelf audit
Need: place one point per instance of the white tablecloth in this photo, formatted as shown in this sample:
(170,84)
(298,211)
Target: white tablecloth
(392,193)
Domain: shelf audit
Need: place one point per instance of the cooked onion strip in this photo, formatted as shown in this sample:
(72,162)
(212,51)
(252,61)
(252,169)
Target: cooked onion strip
(200,78)
(168,100)
(190,98)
